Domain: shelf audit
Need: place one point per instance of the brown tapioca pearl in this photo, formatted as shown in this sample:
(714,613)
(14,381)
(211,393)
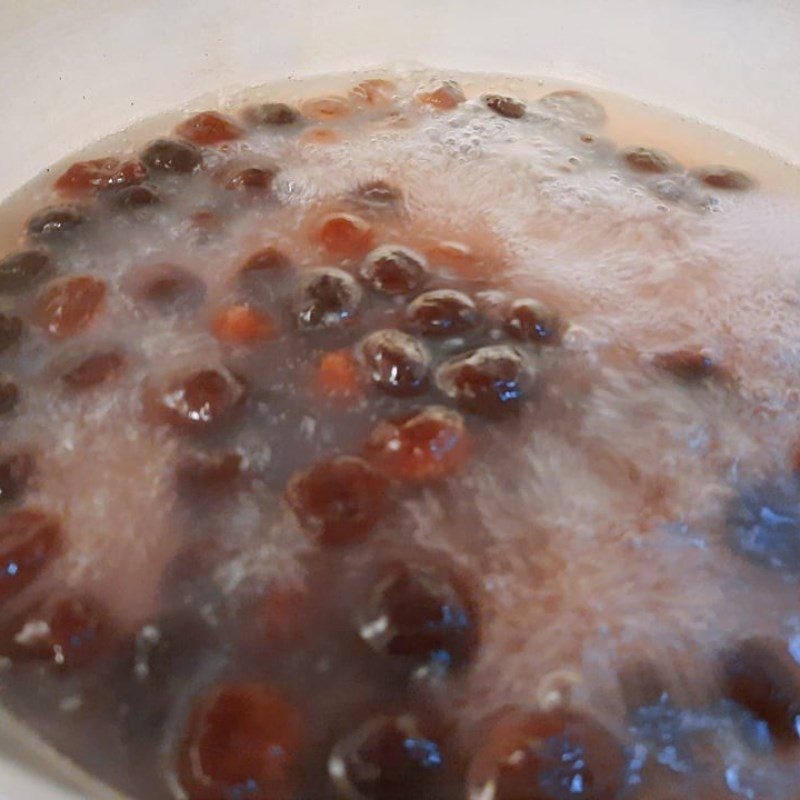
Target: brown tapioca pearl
(69,632)
(423,446)
(648,160)
(394,270)
(442,95)
(197,401)
(267,261)
(505,106)
(443,312)
(55,225)
(723,178)
(267,115)
(287,614)
(326,109)
(70,306)
(338,501)
(641,685)
(96,369)
(546,755)
(15,472)
(204,224)
(378,196)
(252,180)
(167,287)
(324,298)
(455,256)
(689,365)
(242,325)
(490,381)
(374,92)
(337,377)
(209,473)
(760,675)
(172,155)
(10,331)
(395,362)
(345,235)
(321,136)
(88,177)
(421,614)
(530,320)
(20,272)
(387,758)
(242,740)
(9,395)
(130,198)
(29,540)
(209,128)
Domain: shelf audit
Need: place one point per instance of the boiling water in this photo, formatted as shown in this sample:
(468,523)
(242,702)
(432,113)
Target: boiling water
(607,526)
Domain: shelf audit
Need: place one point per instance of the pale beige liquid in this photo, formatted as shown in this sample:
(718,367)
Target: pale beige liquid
(596,528)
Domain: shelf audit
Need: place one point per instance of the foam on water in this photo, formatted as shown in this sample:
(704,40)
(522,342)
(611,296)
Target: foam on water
(596,526)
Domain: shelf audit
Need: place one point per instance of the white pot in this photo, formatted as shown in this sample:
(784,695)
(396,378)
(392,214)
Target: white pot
(76,70)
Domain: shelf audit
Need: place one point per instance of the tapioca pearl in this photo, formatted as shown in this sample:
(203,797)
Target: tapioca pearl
(287,614)
(443,312)
(338,501)
(574,107)
(426,445)
(196,401)
(167,288)
(172,156)
(16,470)
(67,632)
(394,270)
(242,325)
(209,128)
(452,255)
(265,263)
(378,196)
(325,298)
(209,473)
(25,270)
(504,106)
(131,198)
(88,177)
(94,370)
(251,180)
(345,235)
(649,160)
(338,377)
(546,755)
(10,331)
(326,109)
(204,225)
(531,321)
(29,541)
(395,362)
(688,364)
(70,305)
(9,395)
(442,95)
(760,675)
(491,381)
(641,685)
(387,758)
(56,225)
(723,178)
(373,92)
(270,115)
(323,136)
(242,740)
(421,615)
